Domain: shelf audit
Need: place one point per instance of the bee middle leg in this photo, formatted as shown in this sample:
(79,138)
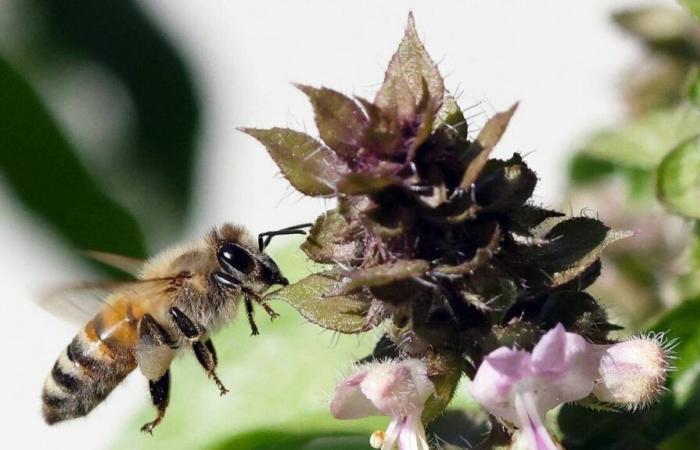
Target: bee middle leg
(205,352)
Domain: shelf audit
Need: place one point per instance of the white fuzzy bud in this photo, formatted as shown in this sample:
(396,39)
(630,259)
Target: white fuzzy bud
(633,373)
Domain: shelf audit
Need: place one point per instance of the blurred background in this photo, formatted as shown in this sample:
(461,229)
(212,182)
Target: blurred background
(118,133)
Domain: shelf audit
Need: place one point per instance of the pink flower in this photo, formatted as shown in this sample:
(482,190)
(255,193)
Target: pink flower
(520,387)
(398,389)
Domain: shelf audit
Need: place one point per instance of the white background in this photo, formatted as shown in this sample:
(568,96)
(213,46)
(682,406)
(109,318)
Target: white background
(561,59)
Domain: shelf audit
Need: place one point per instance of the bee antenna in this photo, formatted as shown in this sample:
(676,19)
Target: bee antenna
(265,238)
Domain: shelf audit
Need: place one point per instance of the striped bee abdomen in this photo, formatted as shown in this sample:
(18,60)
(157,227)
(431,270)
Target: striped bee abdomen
(94,363)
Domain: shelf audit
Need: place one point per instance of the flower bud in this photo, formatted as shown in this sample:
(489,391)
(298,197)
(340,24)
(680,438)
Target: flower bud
(632,373)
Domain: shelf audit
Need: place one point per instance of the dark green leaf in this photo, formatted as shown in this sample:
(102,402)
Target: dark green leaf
(120,38)
(340,121)
(365,183)
(42,169)
(451,117)
(316,298)
(386,273)
(504,185)
(311,167)
(586,169)
(445,372)
(481,148)
(565,253)
(330,240)
(678,179)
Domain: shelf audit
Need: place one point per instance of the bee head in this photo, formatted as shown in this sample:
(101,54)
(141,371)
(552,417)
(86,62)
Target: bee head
(240,262)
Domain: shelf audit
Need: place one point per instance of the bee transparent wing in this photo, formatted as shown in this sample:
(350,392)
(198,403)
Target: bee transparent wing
(78,303)
(126,264)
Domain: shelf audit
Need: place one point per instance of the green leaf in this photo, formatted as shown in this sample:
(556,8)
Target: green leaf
(450,116)
(681,323)
(409,70)
(386,273)
(504,185)
(43,171)
(694,87)
(316,298)
(685,439)
(267,439)
(678,179)
(340,121)
(693,6)
(365,183)
(643,143)
(311,167)
(585,169)
(445,372)
(481,148)
(330,240)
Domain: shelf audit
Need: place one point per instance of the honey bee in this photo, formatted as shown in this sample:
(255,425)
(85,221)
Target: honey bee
(179,298)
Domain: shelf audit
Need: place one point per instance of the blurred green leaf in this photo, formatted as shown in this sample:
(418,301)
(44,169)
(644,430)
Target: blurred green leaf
(678,179)
(687,438)
(644,142)
(694,87)
(121,38)
(585,169)
(681,323)
(279,440)
(693,6)
(42,169)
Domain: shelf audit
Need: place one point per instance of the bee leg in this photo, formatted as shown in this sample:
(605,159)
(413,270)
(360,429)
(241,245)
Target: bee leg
(160,394)
(268,309)
(186,325)
(206,355)
(251,319)
(205,352)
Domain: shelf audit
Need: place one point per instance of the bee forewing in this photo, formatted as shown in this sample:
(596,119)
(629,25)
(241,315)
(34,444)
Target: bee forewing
(80,302)
(124,263)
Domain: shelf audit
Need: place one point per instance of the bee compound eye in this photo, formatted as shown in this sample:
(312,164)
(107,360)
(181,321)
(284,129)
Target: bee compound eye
(233,256)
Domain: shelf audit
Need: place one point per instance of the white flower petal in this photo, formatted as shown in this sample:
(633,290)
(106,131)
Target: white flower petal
(349,402)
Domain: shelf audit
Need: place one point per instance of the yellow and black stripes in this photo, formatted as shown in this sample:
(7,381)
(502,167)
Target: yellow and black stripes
(84,374)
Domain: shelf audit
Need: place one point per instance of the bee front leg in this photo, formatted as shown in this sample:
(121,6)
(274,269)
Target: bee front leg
(205,352)
(160,394)
(251,319)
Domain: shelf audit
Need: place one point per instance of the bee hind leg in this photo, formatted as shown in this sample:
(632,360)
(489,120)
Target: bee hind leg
(160,394)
